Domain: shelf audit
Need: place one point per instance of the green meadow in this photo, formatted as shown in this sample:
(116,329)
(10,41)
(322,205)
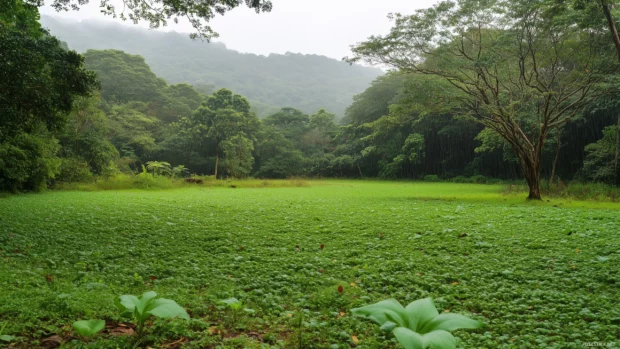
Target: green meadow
(299,257)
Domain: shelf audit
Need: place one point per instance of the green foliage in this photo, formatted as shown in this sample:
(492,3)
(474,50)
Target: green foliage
(239,160)
(159,12)
(5,337)
(599,164)
(141,308)
(236,308)
(432,178)
(88,328)
(469,247)
(419,325)
(39,81)
(73,170)
(28,161)
(180,171)
(305,82)
(159,168)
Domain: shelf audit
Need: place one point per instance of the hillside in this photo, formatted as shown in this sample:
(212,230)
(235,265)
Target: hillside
(306,82)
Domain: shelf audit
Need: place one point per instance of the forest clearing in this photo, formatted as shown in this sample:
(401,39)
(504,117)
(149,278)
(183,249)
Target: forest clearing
(298,259)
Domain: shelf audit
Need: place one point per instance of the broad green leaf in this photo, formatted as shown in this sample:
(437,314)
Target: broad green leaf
(408,339)
(384,311)
(138,304)
(88,328)
(450,322)
(127,302)
(439,339)
(166,309)
(7,338)
(388,326)
(145,301)
(419,313)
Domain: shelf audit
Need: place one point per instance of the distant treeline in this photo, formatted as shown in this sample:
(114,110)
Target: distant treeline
(305,82)
(60,125)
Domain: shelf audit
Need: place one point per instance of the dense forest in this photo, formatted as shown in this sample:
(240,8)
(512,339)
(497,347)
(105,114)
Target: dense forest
(305,82)
(109,113)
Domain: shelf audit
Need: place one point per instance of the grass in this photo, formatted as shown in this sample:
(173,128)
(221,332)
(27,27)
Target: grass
(538,274)
(147,181)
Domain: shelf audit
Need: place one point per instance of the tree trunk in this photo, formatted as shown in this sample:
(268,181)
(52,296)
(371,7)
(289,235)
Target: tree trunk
(533,182)
(530,165)
(557,157)
(612,26)
(217,159)
(618,153)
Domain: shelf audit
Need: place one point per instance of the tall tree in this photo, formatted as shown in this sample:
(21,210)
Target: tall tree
(39,80)
(510,69)
(222,116)
(596,15)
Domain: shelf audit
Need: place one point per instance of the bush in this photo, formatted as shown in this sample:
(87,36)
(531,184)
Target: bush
(573,190)
(480,179)
(460,179)
(74,170)
(431,178)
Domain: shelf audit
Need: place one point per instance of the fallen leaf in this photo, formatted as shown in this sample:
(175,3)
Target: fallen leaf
(340,289)
(353,284)
(322,246)
(455,283)
(52,342)
(355,339)
(121,331)
(342,314)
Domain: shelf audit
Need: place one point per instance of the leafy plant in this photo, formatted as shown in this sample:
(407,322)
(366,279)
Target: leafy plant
(88,328)
(5,337)
(419,325)
(159,167)
(180,171)
(143,307)
(236,307)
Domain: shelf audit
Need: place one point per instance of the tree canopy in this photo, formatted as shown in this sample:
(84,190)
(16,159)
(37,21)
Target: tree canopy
(159,12)
(505,66)
(305,82)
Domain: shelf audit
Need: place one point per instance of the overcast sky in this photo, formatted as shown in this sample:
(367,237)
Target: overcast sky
(325,27)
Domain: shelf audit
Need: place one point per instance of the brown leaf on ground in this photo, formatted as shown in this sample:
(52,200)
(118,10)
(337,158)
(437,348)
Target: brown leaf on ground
(175,344)
(52,342)
(121,331)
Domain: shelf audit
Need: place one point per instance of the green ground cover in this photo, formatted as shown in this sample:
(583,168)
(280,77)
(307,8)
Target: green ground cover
(540,275)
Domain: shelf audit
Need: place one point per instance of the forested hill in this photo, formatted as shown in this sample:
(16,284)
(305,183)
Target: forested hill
(305,82)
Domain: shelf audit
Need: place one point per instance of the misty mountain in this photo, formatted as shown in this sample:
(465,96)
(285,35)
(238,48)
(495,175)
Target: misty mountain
(306,82)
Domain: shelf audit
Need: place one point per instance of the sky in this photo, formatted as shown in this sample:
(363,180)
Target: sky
(323,27)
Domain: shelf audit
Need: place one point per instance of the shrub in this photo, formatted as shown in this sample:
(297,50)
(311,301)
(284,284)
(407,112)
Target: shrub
(460,179)
(431,178)
(73,170)
(480,179)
